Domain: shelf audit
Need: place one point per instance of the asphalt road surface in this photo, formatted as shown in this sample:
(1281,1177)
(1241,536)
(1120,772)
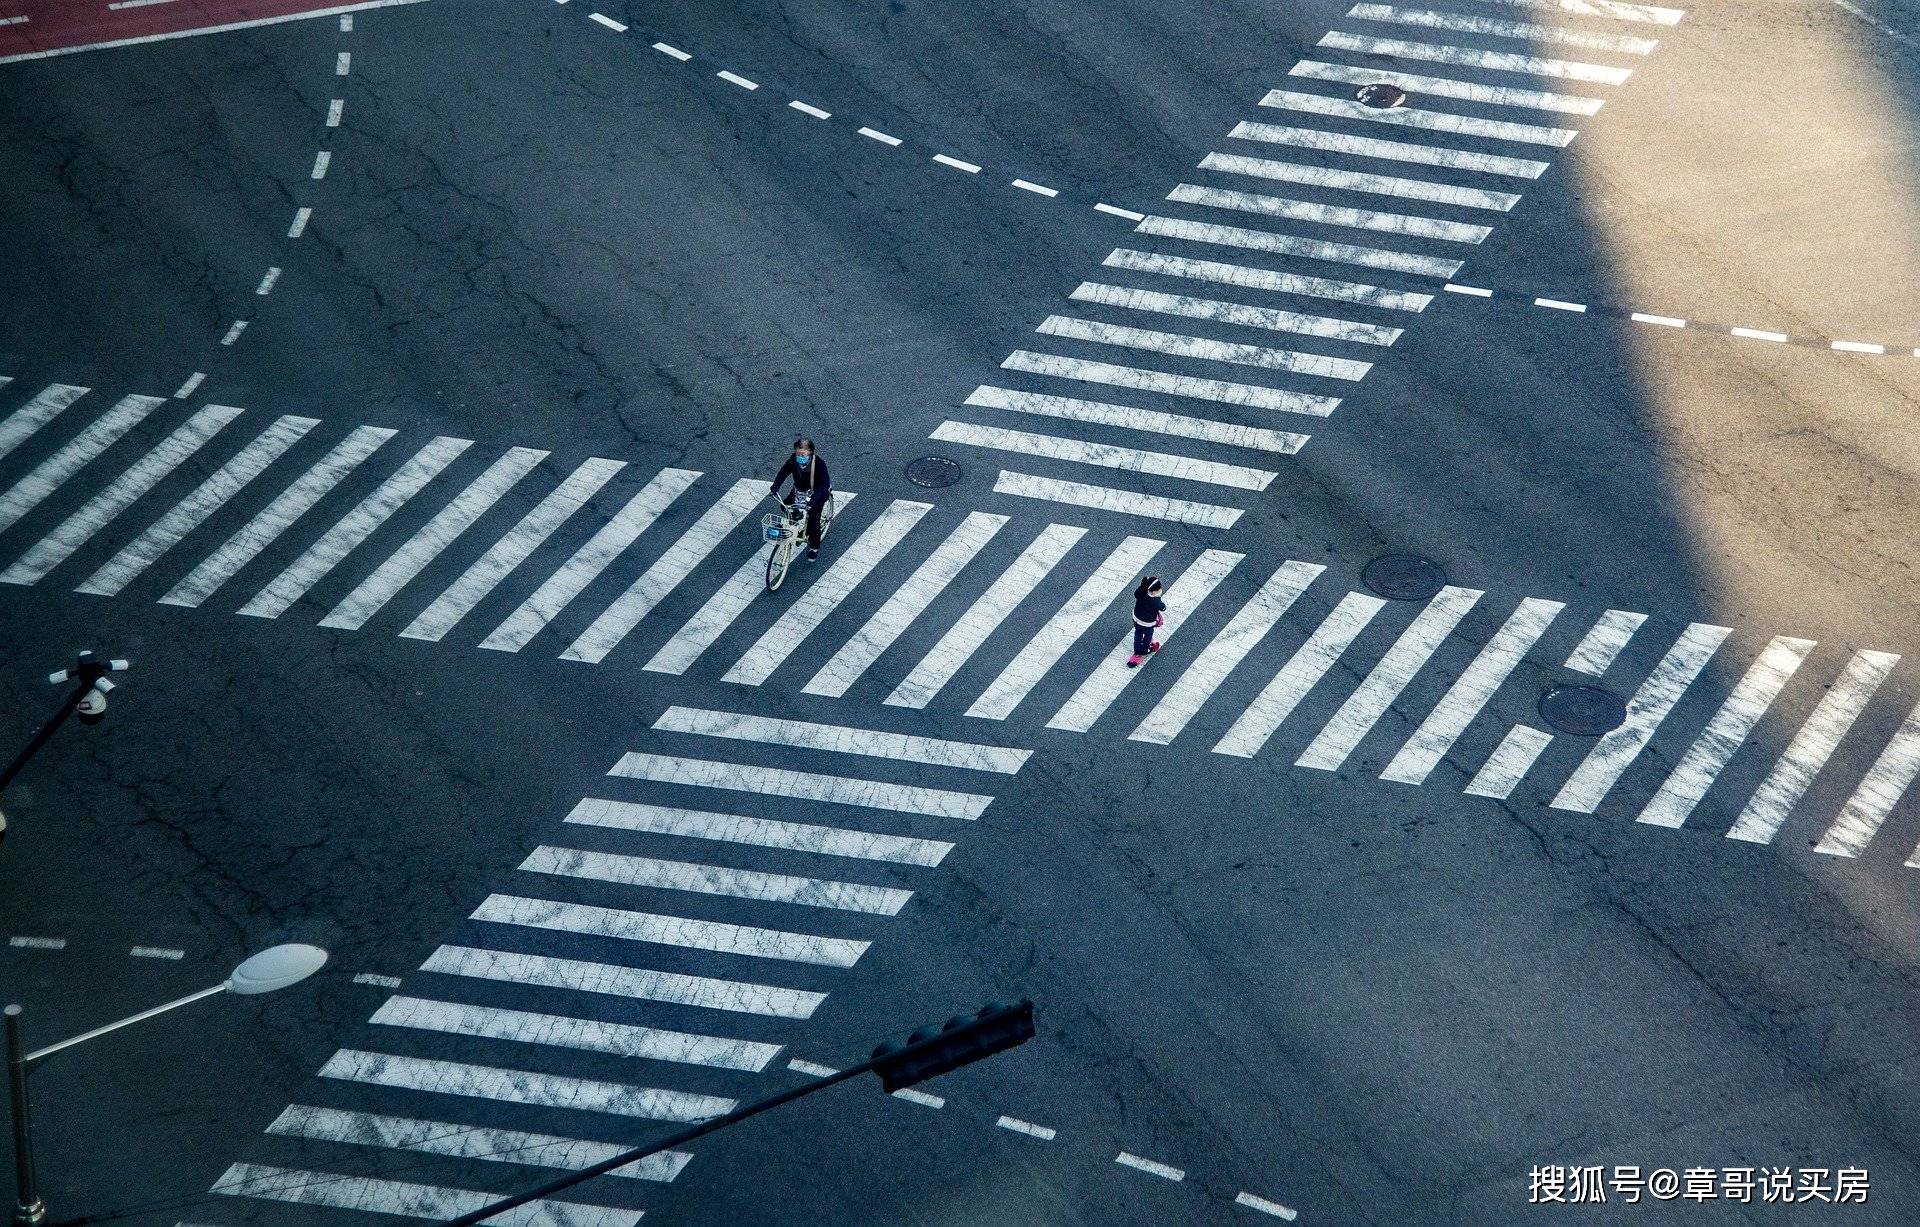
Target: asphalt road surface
(397,388)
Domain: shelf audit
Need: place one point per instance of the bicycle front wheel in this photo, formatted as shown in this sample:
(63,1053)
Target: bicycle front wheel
(827,514)
(777,559)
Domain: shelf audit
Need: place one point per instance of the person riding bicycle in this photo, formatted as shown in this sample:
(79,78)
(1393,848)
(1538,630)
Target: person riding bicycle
(809,474)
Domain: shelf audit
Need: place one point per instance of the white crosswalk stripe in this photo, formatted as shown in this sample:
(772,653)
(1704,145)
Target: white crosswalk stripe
(1494,27)
(433,537)
(1183,346)
(587,1034)
(598,554)
(1448,87)
(354,528)
(1292,245)
(103,508)
(1615,751)
(840,739)
(1107,498)
(1114,576)
(1470,693)
(1270,318)
(635,983)
(193,510)
(1599,646)
(50,474)
(506,554)
(1126,417)
(1879,791)
(523,1086)
(1276,701)
(1616,9)
(1329,215)
(1389,151)
(1375,185)
(1105,455)
(718,937)
(1509,763)
(805,615)
(1408,655)
(1250,396)
(1110,677)
(276,517)
(1248,627)
(26,421)
(1473,57)
(1766,811)
(908,602)
(759,832)
(1415,117)
(1689,781)
(467,1141)
(405,1199)
(1267,279)
(800,785)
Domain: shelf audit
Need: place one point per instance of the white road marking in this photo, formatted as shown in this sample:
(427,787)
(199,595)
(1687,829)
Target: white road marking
(1329,215)
(1600,8)
(759,832)
(908,602)
(468,1142)
(506,554)
(321,161)
(1690,779)
(1472,291)
(1879,790)
(920,1097)
(1600,645)
(1027,1127)
(135,4)
(1035,188)
(801,785)
(675,52)
(956,163)
(1129,214)
(1123,502)
(1218,659)
(1220,391)
(1127,417)
(27,493)
(346,23)
(1292,245)
(1410,117)
(1377,185)
(354,528)
(343,64)
(266,282)
(717,880)
(1666,321)
(26,421)
(1149,1166)
(405,1199)
(193,381)
(1271,707)
(1389,151)
(680,931)
(1447,87)
(1339,737)
(1766,811)
(1557,305)
(608,22)
(727,603)
(736,79)
(585,1034)
(367,977)
(335,109)
(1471,691)
(639,983)
(1104,455)
(883,138)
(407,561)
(300,218)
(1509,763)
(103,508)
(1473,57)
(1183,346)
(38,943)
(805,615)
(1111,676)
(1270,318)
(233,333)
(1859,347)
(1615,751)
(1113,578)
(811,1069)
(13,21)
(1244,1198)
(1754,334)
(840,739)
(607,544)
(1267,279)
(814,111)
(276,517)
(520,1086)
(996,601)
(1493,27)
(193,510)
(156,952)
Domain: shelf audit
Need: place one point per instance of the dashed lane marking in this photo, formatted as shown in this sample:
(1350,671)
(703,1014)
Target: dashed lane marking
(38,943)
(367,977)
(1149,1166)
(155,952)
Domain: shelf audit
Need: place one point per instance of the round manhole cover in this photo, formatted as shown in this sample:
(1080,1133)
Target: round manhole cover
(933,471)
(1380,95)
(1404,577)
(1585,711)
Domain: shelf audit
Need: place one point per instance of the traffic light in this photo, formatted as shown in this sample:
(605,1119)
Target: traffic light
(932,1051)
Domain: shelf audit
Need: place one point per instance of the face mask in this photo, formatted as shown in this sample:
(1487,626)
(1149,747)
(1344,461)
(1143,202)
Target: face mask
(801,458)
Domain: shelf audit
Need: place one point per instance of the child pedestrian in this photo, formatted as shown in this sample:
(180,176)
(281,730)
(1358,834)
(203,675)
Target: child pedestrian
(1149,613)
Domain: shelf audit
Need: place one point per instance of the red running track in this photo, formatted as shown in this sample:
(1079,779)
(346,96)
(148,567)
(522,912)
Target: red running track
(53,27)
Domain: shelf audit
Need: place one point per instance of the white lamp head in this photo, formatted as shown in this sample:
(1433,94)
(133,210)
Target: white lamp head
(276,968)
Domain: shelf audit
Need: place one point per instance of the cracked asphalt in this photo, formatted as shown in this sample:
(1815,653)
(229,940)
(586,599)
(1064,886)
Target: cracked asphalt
(1376,1004)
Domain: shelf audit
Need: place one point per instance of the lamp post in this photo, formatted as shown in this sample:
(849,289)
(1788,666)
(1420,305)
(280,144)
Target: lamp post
(271,969)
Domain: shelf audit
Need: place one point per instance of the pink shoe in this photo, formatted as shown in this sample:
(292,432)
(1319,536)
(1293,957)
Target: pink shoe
(1154,646)
(1133,662)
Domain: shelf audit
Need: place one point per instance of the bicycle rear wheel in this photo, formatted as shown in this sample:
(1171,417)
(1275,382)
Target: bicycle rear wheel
(777,560)
(826,515)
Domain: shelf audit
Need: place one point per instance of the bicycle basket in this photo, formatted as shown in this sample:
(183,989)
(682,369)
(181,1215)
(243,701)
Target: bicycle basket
(775,526)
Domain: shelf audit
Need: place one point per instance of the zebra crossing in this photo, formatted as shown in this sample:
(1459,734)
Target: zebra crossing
(1397,197)
(645,965)
(981,614)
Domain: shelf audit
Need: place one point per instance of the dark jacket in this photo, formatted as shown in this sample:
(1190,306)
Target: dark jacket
(1147,609)
(813,477)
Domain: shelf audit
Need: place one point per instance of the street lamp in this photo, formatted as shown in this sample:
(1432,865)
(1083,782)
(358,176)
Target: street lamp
(87,699)
(271,969)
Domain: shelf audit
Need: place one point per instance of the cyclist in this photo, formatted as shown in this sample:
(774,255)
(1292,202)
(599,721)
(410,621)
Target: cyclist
(809,474)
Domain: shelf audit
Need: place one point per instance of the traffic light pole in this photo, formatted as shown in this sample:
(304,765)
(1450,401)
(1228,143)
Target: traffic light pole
(88,697)
(1015,1022)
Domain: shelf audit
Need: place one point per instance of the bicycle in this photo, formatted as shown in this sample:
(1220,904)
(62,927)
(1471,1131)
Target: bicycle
(787,529)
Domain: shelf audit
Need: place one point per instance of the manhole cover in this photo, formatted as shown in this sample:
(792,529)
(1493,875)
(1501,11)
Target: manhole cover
(933,471)
(1586,711)
(1404,577)
(1380,95)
